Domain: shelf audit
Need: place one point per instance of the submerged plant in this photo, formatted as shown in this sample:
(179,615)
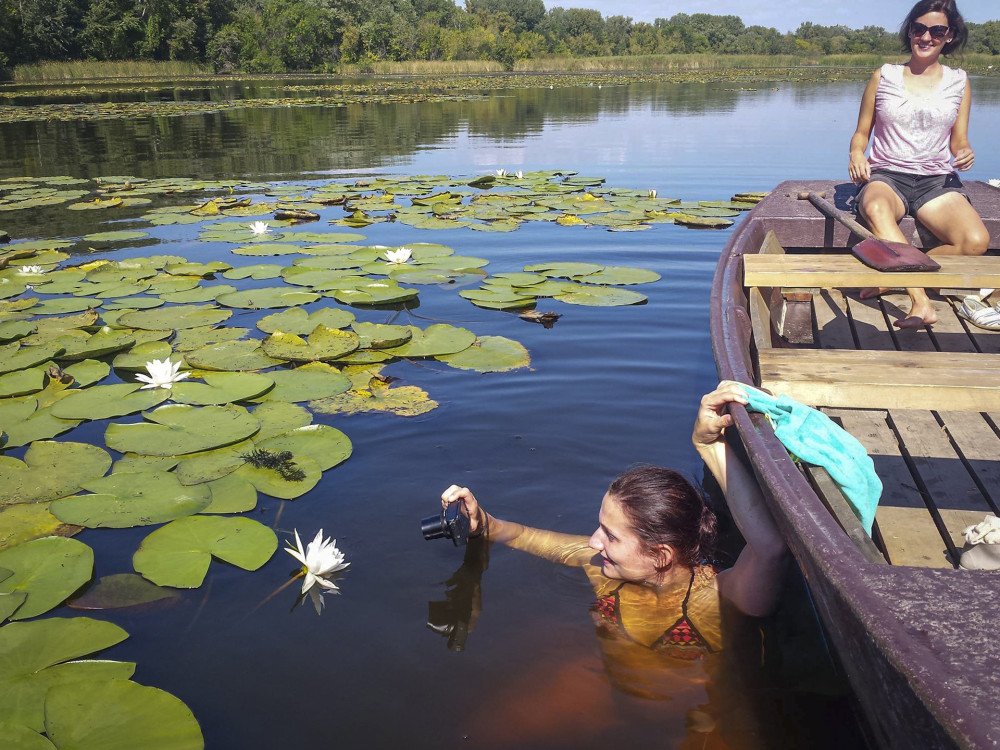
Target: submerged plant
(280,461)
(162,374)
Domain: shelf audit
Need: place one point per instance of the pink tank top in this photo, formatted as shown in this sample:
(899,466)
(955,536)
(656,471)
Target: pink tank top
(912,131)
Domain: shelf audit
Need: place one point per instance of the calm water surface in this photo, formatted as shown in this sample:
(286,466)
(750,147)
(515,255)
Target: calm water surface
(607,388)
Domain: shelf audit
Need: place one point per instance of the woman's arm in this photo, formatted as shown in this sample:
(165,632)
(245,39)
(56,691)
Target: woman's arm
(566,549)
(858,167)
(960,148)
(754,582)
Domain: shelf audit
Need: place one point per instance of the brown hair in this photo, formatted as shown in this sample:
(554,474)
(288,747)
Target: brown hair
(665,508)
(959,33)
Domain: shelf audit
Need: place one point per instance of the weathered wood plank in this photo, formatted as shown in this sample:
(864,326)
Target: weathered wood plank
(897,306)
(901,380)
(869,323)
(833,326)
(949,332)
(837,504)
(907,528)
(979,445)
(842,270)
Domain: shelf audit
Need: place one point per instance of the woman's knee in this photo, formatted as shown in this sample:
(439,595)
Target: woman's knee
(973,241)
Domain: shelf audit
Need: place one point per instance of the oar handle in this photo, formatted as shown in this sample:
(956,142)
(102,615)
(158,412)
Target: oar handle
(830,210)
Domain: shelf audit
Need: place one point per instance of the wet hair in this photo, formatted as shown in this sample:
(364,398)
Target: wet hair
(959,32)
(665,508)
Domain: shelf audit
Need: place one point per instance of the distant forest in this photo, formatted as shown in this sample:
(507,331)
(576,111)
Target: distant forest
(275,36)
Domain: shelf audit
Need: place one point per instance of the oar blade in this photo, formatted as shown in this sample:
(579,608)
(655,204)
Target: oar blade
(893,256)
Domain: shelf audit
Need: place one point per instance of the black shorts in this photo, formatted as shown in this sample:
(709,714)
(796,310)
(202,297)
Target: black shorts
(915,189)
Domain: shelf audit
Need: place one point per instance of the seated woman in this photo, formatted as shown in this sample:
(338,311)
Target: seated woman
(917,117)
(648,560)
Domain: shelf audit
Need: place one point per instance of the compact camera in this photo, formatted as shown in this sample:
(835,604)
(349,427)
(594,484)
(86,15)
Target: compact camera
(449,524)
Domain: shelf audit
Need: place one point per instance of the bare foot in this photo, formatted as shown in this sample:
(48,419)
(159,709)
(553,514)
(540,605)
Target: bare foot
(910,321)
(920,316)
(874,291)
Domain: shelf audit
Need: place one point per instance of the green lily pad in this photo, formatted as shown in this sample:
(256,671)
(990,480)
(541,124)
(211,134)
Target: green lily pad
(382,336)
(50,470)
(120,591)
(266,298)
(306,383)
(88,372)
(124,500)
(106,401)
(26,521)
(175,318)
(15,357)
(299,322)
(16,329)
(221,388)
(177,429)
(322,344)
(490,354)
(268,248)
(567,270)
(122,235)
(35,656)
(232,356)
(326,445)
(63,305)
(48,570)
(206,466)
(602,296)
(231,494)
(197,269)
(133,462)
(303,475)
(434,341)
(258,271)
(198,294)
(22,383)
(197,338)
(119,715)
(179,554)
(505,299)
(21,737)
(619,276)
(135,359)
(369,292)
(405,401)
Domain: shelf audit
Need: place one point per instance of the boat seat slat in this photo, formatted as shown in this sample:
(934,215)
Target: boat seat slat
(883,379)
(842,270)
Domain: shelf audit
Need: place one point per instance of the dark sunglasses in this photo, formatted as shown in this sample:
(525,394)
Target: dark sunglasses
(917,30)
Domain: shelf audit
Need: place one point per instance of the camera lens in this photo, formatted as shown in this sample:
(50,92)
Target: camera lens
(432,527)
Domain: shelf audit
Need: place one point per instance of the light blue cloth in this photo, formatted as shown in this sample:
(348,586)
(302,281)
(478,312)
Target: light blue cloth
(817,439)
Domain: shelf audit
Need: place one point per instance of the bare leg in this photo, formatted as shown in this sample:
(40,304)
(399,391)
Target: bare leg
(882,209)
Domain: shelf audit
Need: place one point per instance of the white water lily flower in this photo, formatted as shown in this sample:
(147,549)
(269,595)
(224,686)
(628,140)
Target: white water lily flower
(399,256)
(259,227)
(162,374)
(26,270)
(652,193)
(519,174)
(319,559)
(994,182)
(501,173)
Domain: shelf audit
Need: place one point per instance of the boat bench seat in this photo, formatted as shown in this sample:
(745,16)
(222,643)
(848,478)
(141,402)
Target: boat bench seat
(883,379)
(844,271)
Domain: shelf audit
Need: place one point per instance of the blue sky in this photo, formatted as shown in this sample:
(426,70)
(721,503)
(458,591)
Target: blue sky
(784,15)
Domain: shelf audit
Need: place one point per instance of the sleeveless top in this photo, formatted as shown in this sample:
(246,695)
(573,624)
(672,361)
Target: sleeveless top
(912,131)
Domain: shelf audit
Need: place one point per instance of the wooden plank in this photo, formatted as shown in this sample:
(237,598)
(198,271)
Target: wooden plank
(986,341)
(949,332)
(833,326)
(908,531)
(872,379)
(869,324)
(979,445)
(831,496)
(761,321)
(844,271)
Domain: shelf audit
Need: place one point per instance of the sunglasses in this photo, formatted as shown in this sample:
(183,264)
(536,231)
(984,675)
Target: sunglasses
(917,30)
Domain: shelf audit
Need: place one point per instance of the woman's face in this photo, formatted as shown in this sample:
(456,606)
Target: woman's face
(622,552)
(926,46)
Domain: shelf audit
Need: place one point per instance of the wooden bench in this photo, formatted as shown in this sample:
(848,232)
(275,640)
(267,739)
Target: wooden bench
(883,379)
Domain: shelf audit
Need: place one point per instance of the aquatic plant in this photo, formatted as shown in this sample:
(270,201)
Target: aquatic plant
(320,559)
(162,374)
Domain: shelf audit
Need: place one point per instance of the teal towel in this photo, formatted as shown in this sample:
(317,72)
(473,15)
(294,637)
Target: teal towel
(814,437)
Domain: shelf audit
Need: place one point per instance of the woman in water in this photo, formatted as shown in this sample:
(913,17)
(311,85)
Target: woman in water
(648,560)
(916,116)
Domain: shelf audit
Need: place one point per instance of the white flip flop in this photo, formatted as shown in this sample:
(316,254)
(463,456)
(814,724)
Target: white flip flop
(979,314)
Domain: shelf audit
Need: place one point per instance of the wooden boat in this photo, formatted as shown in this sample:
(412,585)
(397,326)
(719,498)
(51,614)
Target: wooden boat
(916,635)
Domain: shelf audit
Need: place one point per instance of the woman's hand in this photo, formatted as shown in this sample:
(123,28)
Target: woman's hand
(470,506)
(713,419)
(964,159)
(858,168)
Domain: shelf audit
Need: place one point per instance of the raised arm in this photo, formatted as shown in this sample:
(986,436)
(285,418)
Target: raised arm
(858,167)
(754,582)
(960,148)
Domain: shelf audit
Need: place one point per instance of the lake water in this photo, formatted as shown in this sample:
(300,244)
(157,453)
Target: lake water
(608,387)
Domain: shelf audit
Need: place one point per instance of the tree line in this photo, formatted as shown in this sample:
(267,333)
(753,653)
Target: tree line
(273,36)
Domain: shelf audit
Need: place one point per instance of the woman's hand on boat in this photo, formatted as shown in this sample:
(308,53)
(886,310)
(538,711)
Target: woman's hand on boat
(964,158)
(713,417)
(859,169)
(470,506)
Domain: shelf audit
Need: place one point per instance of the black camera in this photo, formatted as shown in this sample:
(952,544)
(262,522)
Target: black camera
(450,524)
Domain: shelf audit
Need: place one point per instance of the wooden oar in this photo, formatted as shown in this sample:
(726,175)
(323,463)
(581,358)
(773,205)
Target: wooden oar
(881,255)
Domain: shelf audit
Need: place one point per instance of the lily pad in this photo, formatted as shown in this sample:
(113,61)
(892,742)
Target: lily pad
(619,276)
(50,470)
(490,354)
(135,359)
(231,494)
(197,338)
(119,715)
(124,500)
(177,429)
(179,554)
(88,372)
(175,318)
(120,591)
(299,322)
(221,388)
(106,401)
(302,475)
(48,570)
(258,271)
(405,401)
(434,341)
(232,356)
(15,357)
(266,298)
(322,344)
(22,383)
(601,296)
(382,336)
(306,383)
(326,445)
(26,521)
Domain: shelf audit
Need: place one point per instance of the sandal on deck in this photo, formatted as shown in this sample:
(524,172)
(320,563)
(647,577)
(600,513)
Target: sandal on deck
(979,314)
